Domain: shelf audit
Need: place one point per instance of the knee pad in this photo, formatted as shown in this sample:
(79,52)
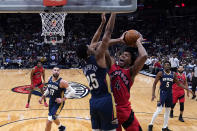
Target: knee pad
(53,117)
(50,118)
(181,106)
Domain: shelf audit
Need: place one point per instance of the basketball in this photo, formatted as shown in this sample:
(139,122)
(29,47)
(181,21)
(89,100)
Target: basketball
(131,37)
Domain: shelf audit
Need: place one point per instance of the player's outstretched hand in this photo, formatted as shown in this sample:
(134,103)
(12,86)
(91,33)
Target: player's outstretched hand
(153,97)
(140,39)
(122,37)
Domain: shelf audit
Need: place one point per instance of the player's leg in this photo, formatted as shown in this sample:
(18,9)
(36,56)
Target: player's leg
(160,104)
(107,113)
(55,113)
(181,101)
(174,101)
(132,124)
(50,119)
(157,112)
(166,117)
(95,119)
(172,110)
(48,124)
(194,87)
(181,111)
(42,92)
(60,126)
(29,97)
(168,104)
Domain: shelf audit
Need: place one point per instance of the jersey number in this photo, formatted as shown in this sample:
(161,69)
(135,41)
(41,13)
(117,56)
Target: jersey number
(167,84)
(51,92)
(92,79)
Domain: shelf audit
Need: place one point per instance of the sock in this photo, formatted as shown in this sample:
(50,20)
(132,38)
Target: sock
(180,115)
(159,109)
(166,117)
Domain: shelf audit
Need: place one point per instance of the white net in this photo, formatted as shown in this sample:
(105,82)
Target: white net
(53,23)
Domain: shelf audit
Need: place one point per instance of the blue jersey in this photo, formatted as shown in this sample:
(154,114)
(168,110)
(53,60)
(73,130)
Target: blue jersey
(98,78)
(102,105)
(166,81)
(54,89)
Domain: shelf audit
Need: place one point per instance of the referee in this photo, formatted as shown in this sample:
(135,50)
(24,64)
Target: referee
(194,79)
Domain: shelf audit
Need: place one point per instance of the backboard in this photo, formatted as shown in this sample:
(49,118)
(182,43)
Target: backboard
(72,6)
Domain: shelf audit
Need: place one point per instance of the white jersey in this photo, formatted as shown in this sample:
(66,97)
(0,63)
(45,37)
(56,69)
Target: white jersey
(174,62)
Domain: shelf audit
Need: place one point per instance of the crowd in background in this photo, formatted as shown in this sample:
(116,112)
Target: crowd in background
(21,44)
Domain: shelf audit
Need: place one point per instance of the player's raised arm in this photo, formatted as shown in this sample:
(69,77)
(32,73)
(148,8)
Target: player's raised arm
(181,85)
(141,59)
(110,60)
(159,75)
(97,35)
(118,40)
(107,35)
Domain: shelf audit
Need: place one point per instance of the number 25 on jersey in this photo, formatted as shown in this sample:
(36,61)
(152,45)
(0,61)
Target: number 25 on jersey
(92,81)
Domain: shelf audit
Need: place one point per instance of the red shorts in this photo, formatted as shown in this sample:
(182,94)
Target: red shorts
(127,120)
(37,83)
(178,95)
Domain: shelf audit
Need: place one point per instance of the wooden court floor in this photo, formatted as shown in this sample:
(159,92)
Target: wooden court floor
(75,114)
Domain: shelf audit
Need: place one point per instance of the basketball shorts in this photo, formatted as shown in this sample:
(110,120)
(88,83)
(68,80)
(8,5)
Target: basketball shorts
(165,99)
(103,113)
(55,109)
(127,120)
(37,84)
(178,95)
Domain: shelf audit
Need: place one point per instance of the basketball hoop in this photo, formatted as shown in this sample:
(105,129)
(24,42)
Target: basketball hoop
(53,26)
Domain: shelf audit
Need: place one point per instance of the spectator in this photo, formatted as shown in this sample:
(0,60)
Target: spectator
(174,63)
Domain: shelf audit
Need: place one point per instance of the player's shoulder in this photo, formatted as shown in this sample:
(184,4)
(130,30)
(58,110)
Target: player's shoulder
(34,68)
(63,81)
(160,73)
(42,69)
(49,78)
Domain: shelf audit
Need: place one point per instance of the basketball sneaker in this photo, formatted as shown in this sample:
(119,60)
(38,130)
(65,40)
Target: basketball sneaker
(166,129)
(150,127)
(194,96)
(45,104)
(181,119)
(27,105)
(62,128)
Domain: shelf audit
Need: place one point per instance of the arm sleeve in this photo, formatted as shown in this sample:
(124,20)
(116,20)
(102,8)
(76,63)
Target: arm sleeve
(46,92)
(71,92)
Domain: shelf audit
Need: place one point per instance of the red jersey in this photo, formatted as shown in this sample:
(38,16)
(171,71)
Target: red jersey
(37,73)
(121,83)
(181,79)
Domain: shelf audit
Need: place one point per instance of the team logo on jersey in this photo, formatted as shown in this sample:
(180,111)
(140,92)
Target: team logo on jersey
(80,90)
